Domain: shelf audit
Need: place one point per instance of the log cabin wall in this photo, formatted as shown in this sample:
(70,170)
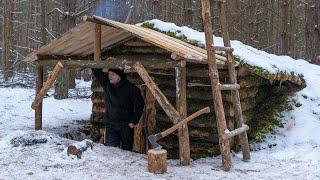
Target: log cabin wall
(202,131)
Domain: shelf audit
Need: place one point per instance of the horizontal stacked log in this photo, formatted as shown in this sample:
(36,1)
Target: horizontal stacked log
(202,131)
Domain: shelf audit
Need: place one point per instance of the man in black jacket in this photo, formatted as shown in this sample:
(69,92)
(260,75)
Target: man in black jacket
(124,105)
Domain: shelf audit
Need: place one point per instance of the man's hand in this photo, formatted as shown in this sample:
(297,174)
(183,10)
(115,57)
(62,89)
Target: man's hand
(131,125)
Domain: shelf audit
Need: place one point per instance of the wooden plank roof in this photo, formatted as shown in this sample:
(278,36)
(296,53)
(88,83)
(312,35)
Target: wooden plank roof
(79,41)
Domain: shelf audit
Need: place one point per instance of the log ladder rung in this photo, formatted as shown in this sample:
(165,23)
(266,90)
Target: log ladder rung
(222,48)
(225,87)
(229,134)
(223,1)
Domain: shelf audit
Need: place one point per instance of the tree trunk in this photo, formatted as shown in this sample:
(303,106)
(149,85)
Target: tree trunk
(43,31)
(66,78)
(188,13)
(284,42)
(313,31)
(6,38)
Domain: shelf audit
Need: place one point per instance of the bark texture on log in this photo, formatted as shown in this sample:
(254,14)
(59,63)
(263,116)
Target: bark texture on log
(38,109)
(181,95)
(157,161)
(216,93)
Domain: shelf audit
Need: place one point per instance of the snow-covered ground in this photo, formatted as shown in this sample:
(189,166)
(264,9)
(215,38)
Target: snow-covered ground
(296,156)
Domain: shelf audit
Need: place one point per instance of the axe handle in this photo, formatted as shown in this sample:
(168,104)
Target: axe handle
(184,121)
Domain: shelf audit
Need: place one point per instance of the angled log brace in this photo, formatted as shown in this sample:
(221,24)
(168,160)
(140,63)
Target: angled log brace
(47,85)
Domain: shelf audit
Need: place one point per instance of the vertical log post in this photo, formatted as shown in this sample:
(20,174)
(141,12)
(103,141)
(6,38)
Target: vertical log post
(97,42)
(216,93)
(97,57)
(150,116)
(181,103)
(38,109)
(139,144)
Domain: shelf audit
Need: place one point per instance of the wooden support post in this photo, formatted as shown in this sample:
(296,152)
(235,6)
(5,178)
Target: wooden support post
(157,161)
(38,100)
(214,77)
(39,84)
(150,109)
(139,136)
(97,42)
(181,101)
(233,80)
(160,97)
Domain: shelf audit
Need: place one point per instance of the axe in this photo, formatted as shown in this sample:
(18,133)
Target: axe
(155,137)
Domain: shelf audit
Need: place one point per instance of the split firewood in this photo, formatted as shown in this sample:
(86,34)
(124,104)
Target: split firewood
(78,148)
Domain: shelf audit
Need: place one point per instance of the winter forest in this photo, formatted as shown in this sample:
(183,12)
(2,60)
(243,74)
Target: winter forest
(254,64)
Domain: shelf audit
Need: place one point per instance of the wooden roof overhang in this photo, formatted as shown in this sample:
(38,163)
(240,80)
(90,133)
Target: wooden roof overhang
(78,43)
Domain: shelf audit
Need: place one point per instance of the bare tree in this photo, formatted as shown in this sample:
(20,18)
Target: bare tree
(313,31)
(6,31)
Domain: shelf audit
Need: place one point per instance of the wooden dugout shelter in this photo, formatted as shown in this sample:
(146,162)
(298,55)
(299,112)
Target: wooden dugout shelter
(145,51)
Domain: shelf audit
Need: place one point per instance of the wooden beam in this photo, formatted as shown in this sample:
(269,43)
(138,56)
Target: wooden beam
(112,63)
(160,97)
(38,100)
(62,57)
(181,98)
(94,20)
(39,84)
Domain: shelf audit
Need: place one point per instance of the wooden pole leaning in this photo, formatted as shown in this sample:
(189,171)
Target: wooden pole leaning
(233,80)
(156,92)
(38,99)
(216,92)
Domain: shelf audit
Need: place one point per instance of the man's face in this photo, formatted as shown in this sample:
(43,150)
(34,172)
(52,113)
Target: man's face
(113,77)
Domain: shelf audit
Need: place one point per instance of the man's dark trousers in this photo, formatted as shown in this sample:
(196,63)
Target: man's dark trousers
(119,136)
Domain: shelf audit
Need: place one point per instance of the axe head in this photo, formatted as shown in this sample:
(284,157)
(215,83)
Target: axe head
(153,141)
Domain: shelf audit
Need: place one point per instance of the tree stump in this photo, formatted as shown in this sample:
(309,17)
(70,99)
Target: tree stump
(157,161)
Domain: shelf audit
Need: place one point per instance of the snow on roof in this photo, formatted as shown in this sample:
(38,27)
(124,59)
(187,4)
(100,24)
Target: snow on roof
(268,63)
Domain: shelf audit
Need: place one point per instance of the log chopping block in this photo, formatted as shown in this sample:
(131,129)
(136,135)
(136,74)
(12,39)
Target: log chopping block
(157,161)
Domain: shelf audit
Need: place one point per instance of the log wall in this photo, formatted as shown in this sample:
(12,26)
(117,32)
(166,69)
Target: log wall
(202,130)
